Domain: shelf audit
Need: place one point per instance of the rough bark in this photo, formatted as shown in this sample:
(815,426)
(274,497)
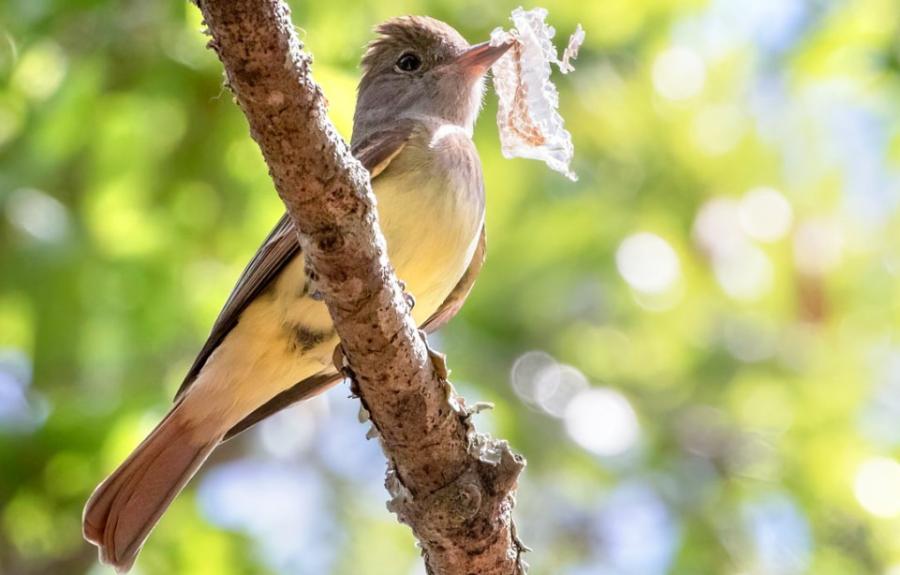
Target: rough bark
(452,486)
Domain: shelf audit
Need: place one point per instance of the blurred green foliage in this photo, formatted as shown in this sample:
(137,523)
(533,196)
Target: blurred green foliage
(694,345)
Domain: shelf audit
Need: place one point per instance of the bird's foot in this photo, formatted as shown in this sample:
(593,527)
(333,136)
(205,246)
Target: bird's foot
(311,278)
(410,299)
(438,359)
(342,365)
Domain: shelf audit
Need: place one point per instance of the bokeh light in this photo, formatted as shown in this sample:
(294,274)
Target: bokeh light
(780,534)
(648,263)
(38,215)
(717,227)
(40,70)
(744,274)
(765,214)
(543,383)
(877,486)
(818,246)
(678,73)
(602,421)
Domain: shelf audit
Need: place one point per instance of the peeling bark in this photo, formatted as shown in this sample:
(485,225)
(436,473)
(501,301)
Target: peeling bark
(453,486)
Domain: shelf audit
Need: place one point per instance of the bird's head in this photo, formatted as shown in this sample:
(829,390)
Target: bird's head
(419,66)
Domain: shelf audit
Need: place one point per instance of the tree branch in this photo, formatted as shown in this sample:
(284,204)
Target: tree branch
(453,486)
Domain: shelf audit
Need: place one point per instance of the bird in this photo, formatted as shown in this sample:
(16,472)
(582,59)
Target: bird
(419,95)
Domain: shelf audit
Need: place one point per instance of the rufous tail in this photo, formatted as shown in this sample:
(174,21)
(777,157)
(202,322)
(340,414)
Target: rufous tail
(127,505)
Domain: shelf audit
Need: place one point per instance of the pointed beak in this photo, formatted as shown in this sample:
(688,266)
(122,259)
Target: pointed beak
(479,58)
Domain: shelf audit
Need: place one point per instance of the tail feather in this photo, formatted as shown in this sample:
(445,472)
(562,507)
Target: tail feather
(127,505)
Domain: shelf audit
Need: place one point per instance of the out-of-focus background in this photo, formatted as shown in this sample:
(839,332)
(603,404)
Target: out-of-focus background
(695,345)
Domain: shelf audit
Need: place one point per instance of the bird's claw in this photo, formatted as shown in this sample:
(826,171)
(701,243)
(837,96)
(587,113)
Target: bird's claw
(311,278)
(408,297)
(438,359)
(343,367)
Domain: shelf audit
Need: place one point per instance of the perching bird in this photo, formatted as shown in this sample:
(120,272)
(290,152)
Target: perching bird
(272,344)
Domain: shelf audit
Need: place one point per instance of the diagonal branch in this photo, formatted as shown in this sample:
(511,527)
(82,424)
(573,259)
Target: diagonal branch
(452,486)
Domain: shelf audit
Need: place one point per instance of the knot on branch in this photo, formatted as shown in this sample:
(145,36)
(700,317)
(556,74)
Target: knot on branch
(483,486)
(329,239)
(447,509)
(498,461)
(498,464)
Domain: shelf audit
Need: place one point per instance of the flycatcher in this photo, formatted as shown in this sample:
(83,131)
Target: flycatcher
(420,93)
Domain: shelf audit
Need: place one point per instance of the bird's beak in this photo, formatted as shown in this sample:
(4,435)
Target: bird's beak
(479,58)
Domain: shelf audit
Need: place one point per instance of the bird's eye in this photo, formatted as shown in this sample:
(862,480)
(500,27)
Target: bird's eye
(408,62)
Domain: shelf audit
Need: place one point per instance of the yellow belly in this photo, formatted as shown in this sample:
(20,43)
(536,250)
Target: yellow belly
(430,240)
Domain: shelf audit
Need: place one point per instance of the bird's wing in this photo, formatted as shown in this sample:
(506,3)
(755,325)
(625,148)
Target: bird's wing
(375,153)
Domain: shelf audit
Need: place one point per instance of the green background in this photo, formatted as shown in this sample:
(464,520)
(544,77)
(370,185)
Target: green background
(694,345)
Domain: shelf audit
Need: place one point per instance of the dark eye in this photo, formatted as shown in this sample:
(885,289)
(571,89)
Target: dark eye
(408,62)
